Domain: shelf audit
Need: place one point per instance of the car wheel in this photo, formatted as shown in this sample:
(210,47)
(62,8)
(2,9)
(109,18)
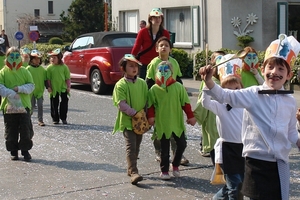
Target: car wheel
(97,84)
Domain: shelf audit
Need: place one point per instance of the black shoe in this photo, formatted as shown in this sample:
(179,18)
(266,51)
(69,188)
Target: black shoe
(26,155)
(64,121)
(14,155)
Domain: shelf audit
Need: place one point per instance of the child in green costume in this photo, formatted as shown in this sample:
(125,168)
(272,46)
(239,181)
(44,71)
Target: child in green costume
(39,76)
(163,47)
(59,84)
(206,118)
(124,97)
(16,85)
(167,99)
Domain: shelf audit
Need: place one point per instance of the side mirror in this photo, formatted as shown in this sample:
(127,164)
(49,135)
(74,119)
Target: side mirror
(67,48)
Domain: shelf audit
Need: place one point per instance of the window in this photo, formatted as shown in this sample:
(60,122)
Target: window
(293,20)
(179,22)
(37,13)
(50,7)
(83,43)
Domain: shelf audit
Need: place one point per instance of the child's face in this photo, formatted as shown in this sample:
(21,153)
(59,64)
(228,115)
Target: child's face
(54,60)
(163,48)
(275,75)
(132,69)
(36,61)
(233,86)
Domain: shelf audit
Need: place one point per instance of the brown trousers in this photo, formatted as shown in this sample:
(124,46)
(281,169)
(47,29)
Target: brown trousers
(132,142)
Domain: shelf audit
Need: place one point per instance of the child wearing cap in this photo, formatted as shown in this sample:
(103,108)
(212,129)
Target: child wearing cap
(59,84)
(268,130)
(144,46)
(128,104)
(228,147)
(39,76)
(25,53)
(16,85)
(167,99)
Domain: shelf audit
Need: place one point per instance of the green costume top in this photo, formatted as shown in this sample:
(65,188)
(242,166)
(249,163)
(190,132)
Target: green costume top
(58,75)
(39,75)
(168,104)
(151,68)
(248,78)
(2,61)
(135,94)
(207,120)
(12,78)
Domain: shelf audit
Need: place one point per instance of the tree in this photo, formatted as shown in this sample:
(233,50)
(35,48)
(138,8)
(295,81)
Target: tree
(83,16)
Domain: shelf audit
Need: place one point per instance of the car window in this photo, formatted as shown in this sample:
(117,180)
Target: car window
(83,43)
(123,42)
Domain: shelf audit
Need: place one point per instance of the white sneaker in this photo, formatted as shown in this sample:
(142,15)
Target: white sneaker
(176,173)
(165,176)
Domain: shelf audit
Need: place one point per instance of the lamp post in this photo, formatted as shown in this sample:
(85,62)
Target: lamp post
(105,15)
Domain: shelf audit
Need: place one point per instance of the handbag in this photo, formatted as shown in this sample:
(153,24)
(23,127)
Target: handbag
(217,177)
(139,121)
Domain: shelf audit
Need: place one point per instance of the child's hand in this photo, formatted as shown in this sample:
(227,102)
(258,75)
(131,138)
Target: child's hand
(298,114)
(254,71)
(17,96)
(49,90)
(16,89)
(206,72)
(68,90)
(192,121)
(151,121)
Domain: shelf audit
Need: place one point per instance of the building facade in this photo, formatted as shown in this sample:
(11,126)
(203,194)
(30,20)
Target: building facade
(20,15)
(213,23)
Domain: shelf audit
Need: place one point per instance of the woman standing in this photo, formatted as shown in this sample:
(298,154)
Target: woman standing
(144,47)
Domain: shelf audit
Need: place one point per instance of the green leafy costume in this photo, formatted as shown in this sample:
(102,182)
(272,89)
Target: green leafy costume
(135,94)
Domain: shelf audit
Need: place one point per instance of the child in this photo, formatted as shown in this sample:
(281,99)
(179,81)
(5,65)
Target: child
(16,85)
(25,53)
(59,84)
(268,130)
(251,74)
(39,76)
(206,118)
(2,59)
(167,99)
(228,147)
(163,47)
(124,97)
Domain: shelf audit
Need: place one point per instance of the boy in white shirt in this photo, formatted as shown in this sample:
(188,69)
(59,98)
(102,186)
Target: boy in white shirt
(269,123)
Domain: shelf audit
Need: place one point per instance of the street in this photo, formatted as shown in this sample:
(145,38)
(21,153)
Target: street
(83,160)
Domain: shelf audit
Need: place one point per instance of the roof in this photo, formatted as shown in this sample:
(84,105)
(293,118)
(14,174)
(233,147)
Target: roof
(104,38)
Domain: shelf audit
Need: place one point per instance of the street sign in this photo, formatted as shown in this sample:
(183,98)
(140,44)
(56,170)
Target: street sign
(19,35)
(34,35)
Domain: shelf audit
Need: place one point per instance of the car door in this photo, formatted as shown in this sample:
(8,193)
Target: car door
(75,58)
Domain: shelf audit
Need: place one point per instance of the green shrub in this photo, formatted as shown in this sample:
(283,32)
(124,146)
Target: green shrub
(44,49)
(244,41)
(56,40)
(184,61)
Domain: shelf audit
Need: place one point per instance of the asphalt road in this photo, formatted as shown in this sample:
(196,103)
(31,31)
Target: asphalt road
(83,160)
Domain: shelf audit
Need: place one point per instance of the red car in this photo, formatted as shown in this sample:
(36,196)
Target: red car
(93,58)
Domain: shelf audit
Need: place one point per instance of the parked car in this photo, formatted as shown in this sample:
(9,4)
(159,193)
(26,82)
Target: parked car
(93,58)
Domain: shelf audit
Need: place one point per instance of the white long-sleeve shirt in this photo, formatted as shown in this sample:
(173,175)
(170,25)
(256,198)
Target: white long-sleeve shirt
(269,122)
(229,124)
